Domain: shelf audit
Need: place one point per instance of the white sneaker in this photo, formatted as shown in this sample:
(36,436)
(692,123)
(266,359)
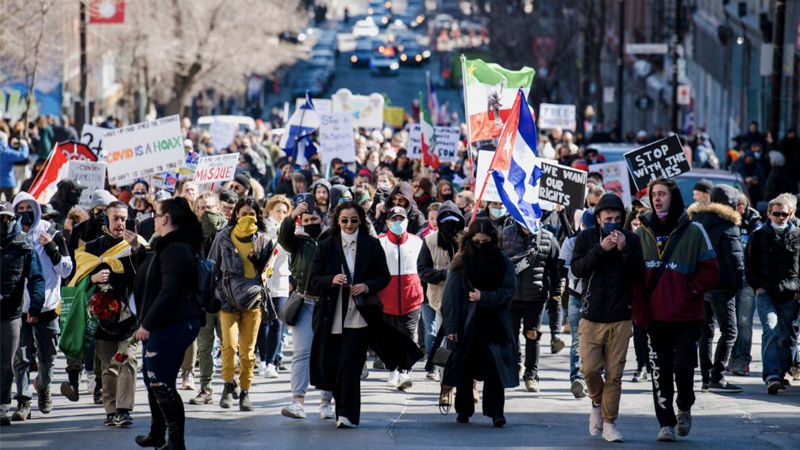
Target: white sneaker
(188,383)
(611,434)
(261,368)
(294,410)
(596,420)
(326,411)
(404,381)
(90,382)
(666,434)
(270,371)
(393,379)
(343,422)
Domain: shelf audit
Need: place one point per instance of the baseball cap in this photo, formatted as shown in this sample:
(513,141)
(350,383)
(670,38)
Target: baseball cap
(6,209)
(397,211)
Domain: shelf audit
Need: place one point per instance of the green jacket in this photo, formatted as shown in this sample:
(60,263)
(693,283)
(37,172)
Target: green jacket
(302,247)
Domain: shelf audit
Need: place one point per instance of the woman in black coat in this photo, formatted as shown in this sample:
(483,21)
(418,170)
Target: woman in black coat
(347,266)
(475,308)
(165,290)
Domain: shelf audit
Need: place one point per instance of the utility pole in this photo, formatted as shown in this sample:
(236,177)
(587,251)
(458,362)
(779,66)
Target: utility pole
(83,113)
(677,40)
(777,69)
(621,68)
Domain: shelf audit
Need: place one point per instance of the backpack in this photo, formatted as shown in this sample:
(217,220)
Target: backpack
(205,286)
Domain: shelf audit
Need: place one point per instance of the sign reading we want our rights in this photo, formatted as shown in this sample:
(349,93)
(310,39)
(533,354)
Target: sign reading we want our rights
(143,149)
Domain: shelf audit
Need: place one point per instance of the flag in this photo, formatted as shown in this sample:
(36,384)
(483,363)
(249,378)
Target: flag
(491,89)
(56,167)
(515,168)
(433,101)
(303,122)
(107,11)
(428,132)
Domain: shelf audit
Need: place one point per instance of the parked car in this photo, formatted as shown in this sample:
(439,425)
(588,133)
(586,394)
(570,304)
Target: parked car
(245,123)
(385,63)
(312,81)
(412,54)
(687,181)
(362,54)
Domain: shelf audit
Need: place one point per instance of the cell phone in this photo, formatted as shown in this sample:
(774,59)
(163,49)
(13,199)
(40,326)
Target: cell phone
(308,199)
(130,225)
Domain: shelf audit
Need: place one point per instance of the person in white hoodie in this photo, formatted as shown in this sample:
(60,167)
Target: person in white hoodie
(50,245)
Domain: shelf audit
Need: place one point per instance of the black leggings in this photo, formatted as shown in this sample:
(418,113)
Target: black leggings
(530,315)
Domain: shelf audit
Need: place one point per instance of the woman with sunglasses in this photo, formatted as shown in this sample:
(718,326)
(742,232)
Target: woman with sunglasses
(348,270)
(475,308)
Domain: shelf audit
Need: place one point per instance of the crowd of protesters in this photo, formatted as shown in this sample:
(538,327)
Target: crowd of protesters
(389,260)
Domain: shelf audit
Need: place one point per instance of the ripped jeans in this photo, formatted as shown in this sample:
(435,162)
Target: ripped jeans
(163,352)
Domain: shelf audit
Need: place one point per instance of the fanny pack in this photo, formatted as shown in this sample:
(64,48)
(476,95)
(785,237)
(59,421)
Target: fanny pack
(243,293)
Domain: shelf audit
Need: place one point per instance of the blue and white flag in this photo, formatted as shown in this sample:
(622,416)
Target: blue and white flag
(303,122)
(515,167)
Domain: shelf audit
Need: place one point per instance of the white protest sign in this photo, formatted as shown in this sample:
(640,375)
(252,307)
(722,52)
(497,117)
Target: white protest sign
(321,105)
(216,169)
(446,143)
(557,116)
(92,136)
(615,179)
(490,194)
(366,111)
(90,174)
(415,141)
(144,149)
(336,137)
(222,133)
(164,181)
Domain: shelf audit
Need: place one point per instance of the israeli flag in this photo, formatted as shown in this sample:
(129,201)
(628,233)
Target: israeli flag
(303,122)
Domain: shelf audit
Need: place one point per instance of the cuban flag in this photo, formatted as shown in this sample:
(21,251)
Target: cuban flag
(515,167)
(301,125)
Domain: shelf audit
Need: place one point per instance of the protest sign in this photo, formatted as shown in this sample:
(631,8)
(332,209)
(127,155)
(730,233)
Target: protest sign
(562,185)
(165,181)
(556,116)
(216,169)
(143,150)
(336,137)
(446,143)
(91,174)
(664,158)
(190,166)
(366,111)
(615,179)
(490,194)
(321,105)
(394,116)
(92,136)
(222,133)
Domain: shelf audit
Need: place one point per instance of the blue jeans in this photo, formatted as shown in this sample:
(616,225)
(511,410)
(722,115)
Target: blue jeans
(574,312)
(163,352)
(777,335)
(302,336)
(270,335)
(745,309)
(428,327)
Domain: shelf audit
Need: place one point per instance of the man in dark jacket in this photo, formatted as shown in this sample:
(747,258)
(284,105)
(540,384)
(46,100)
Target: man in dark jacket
(609,262)
(21,271)
(772,268)
(401,195)
(535,259)
(721,222)
(67,195)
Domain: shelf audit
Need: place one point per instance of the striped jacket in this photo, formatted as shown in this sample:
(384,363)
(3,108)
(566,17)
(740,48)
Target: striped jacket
(404,292)
(692,269)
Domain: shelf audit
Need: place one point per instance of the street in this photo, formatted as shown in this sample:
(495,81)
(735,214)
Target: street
(411,420)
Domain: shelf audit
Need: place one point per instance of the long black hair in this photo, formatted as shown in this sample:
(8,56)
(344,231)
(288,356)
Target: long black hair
(363,226)
(184,219)
(251,202)
(467,247)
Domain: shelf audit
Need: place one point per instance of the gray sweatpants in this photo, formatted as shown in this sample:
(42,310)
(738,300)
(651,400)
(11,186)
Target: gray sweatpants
(9,341)
(46,336)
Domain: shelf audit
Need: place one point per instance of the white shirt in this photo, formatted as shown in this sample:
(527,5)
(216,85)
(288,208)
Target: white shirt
(353,319)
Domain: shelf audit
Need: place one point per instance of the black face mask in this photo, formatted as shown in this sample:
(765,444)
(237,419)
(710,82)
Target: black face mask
(7,228)
(26,218)
(73,197)
(99,218)
(313,229)
(449,229)
(483,247)
(447,197)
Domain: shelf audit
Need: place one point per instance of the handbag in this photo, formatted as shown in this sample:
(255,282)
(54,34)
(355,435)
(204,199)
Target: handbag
(445,355)
(243,293)
(290,313)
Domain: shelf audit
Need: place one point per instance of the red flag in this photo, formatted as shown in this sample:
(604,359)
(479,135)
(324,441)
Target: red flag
(56,168)
(505,147)
(107,11)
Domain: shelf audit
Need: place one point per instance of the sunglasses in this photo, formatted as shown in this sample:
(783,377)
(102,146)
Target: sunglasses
(779,215)
(345,221)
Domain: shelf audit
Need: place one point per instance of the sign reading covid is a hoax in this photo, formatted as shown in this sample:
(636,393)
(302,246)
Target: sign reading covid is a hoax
(337,137)
(216,169)
(664,158)
(562,185)
(143,150)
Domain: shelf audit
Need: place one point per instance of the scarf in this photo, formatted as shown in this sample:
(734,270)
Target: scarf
(212,222)
(486,270)
(245,227)
(85,262)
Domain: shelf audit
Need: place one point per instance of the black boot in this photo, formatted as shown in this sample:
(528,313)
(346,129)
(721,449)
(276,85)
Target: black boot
(158,427)
(70,389)
(172,408)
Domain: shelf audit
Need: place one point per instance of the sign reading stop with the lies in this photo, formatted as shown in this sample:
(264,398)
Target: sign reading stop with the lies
(216,169)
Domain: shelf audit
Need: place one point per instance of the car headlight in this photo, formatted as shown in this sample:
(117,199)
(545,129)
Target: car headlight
(388,5)
(354,59)
(394,66)
(370,11)
(403,58)
(426,54)
(385,20)
(418,58)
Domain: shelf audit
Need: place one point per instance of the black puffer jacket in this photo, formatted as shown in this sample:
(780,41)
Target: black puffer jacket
(535,259)
(772,262)
(721,222)
(751,221)
(608,277)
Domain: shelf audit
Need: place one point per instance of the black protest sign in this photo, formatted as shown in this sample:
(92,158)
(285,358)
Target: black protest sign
(664,158)
(562,185)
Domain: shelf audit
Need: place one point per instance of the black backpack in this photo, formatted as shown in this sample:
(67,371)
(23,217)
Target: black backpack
(205,286)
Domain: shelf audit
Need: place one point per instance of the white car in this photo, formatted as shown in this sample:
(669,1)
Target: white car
(365,28)
(244,123)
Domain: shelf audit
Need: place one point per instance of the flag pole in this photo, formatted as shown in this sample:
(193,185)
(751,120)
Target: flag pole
(422,138)
(466,116)
(297,138)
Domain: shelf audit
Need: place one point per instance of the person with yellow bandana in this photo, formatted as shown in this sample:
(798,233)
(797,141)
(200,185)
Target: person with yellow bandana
(241,252)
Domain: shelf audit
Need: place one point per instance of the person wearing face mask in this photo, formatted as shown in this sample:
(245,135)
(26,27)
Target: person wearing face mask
(91,229)
(348,270)
(475,306)
(680,266)
(608,260)
(444,191)
(51,247)
(21,279)
(772,264)
(401,195)
(496,213)
(402,298)
(68,194)
(301,242)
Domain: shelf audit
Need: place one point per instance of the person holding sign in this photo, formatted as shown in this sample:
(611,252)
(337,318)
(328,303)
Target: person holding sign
(680,266)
